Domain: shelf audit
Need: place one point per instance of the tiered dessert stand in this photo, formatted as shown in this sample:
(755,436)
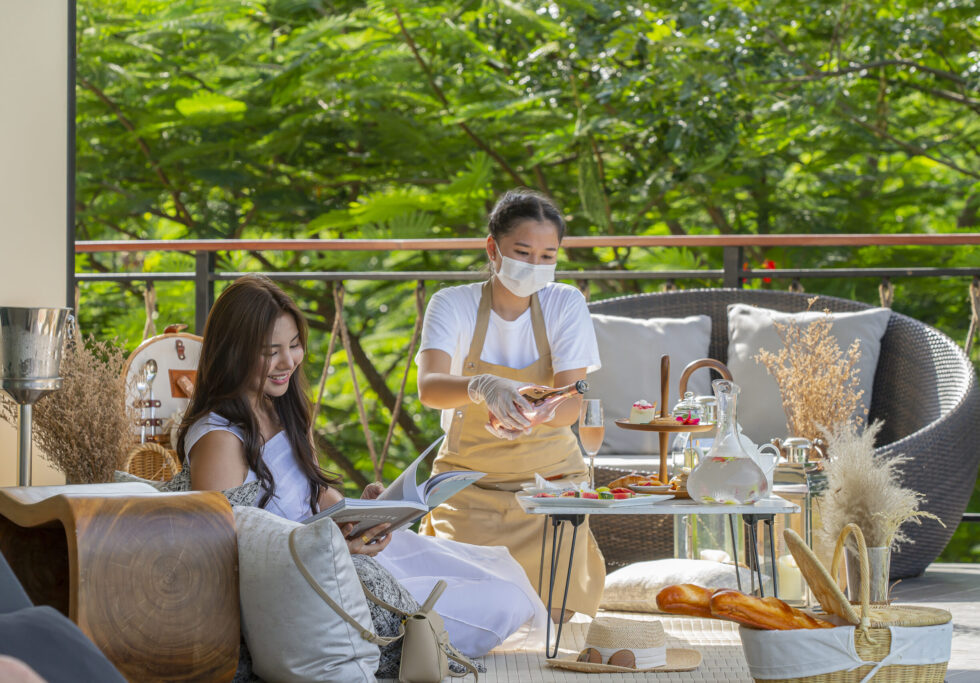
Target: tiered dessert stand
(664,423)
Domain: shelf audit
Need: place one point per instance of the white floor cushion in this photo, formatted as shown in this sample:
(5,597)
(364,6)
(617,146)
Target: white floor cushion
(634,588)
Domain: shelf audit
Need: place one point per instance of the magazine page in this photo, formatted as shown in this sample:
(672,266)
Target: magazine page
(405,486)
(442,487)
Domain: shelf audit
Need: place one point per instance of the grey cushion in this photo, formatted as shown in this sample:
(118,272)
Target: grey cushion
(630,349)
(54,647)
(751,329)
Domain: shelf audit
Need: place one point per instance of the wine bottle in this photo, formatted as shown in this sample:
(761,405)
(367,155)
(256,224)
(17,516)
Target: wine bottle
(545,400)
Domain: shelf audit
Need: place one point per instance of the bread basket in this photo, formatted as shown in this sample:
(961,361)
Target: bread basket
(893,644)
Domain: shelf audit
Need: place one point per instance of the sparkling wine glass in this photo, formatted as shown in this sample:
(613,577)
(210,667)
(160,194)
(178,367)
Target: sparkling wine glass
(591,429)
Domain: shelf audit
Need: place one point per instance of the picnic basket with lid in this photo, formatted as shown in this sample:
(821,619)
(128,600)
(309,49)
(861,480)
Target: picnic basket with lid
(884,644)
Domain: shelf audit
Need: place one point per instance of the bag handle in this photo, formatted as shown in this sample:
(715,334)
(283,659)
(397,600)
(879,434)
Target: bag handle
(366,634)
(448,648)
(865,588)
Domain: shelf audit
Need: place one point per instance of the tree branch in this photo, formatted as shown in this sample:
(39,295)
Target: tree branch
(374,379)
(912,149)
(515,176)
(935,92)
(144,147)
(329,449)
(816,75)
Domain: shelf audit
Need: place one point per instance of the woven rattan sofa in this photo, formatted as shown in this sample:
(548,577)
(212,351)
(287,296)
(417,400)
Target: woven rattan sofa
(925,390)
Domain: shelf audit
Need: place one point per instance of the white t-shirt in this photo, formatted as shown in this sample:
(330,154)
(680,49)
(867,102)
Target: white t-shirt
(451,318)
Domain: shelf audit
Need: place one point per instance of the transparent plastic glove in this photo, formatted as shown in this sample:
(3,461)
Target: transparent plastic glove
(542,415)
(503,399)
(503,433)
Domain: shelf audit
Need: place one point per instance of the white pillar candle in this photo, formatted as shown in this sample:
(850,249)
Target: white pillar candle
(790,578)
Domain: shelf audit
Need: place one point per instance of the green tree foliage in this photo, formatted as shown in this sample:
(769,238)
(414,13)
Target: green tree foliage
(397,118)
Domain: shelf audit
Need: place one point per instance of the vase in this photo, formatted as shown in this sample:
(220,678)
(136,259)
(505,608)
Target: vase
(879,566)
(727,474)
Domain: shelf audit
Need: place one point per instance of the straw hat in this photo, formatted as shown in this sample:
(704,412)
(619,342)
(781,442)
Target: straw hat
(644,639)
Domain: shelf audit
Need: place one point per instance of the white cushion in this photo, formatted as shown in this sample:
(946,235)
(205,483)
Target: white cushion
(751,329)
(292,634)
(630,349)
(634,588)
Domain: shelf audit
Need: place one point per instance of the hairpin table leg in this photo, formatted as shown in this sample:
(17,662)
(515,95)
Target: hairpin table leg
(731,528)
(556,522)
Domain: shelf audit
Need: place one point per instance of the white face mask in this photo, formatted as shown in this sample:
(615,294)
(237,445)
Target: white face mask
(522,278)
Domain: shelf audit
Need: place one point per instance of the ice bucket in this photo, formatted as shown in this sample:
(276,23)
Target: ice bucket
(30,366)
(30,350)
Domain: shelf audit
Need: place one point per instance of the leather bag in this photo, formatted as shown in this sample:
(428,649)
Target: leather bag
(426,649)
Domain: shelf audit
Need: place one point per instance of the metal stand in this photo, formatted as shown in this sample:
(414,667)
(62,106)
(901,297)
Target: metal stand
(556,538)
(24,421)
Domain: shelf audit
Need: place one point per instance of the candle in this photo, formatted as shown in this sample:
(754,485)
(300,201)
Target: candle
(790,578)
(715,555)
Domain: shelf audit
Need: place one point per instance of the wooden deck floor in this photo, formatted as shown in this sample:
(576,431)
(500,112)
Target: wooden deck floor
(953,587)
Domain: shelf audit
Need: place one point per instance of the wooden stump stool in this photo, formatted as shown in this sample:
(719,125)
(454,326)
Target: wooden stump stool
(151,578)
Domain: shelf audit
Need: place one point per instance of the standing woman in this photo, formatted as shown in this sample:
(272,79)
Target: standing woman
(480,343)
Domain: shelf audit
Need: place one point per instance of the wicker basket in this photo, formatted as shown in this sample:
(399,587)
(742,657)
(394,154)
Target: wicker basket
(152,461)
(768,651)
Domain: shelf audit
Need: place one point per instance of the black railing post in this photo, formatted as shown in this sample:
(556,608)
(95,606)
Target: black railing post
(203,288)
(733,267)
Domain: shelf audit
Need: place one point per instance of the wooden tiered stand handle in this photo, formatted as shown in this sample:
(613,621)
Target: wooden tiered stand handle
(151,578)
(716,365)
(664,412)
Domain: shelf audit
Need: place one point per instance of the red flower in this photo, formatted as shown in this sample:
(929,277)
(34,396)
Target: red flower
(768,265)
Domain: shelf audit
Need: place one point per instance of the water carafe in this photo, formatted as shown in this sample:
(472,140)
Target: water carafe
(727,474)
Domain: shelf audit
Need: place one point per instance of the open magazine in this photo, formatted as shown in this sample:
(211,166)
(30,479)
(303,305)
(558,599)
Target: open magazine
(403,502)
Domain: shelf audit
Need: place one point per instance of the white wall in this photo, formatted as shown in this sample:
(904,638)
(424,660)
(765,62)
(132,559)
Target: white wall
(33,174)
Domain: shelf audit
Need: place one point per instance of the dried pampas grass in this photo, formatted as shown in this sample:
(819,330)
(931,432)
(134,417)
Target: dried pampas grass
(83,429)
(817,381)
(866,488)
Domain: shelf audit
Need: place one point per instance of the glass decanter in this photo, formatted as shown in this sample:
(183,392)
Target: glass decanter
(727,474)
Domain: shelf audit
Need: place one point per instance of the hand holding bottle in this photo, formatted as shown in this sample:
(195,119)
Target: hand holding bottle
(503,399)
(543,404)
(498,430)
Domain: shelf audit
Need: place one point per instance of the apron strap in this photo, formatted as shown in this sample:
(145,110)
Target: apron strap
(540,330)
(480,330)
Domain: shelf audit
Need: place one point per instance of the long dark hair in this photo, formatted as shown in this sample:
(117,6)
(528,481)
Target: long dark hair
(238,327)
(520,205)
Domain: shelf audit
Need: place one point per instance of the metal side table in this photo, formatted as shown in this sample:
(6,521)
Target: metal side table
(575,510)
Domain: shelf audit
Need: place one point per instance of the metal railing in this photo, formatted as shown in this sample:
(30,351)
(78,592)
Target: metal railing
(732,274)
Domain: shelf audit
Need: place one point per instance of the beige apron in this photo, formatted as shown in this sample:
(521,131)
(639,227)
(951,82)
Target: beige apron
(487,512)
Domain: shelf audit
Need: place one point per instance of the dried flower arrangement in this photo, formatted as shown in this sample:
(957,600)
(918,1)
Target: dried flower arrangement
(83,429)
(817,381)
(866,488)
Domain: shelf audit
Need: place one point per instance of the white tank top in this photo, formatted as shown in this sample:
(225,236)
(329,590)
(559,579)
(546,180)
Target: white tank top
(292,497)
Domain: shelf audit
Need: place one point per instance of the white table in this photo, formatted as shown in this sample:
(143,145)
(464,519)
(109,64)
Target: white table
(576,510)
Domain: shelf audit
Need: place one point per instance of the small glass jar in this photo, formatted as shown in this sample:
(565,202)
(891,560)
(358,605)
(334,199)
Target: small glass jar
(685,451)
(709,409)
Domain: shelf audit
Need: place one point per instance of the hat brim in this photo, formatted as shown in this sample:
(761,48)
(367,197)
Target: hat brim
(678,659)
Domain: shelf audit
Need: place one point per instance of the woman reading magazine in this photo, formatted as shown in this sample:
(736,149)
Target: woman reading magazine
(250,420)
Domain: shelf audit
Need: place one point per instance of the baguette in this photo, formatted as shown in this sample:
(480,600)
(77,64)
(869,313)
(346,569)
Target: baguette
(765,613)
(685,598)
